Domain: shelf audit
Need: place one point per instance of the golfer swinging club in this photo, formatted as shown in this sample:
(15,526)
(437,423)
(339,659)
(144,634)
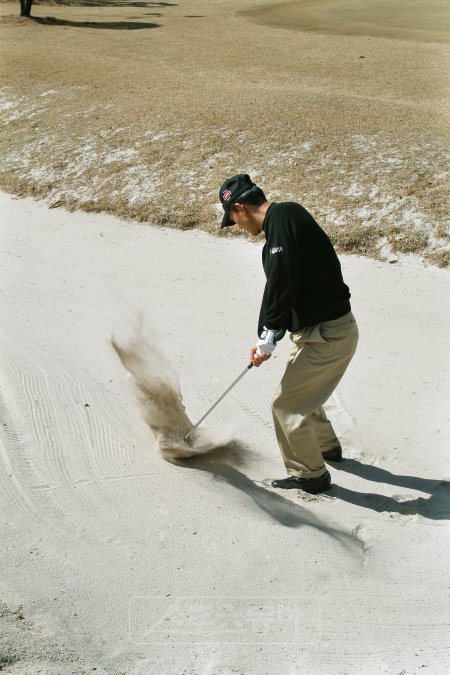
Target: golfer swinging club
(305,294)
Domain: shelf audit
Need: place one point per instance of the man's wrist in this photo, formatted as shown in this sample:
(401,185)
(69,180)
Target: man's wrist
(267,342)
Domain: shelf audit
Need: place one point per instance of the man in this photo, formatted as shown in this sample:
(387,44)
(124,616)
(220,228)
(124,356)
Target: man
(305,294)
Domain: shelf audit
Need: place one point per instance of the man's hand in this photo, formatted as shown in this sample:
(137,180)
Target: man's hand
(257,357)
(265,345)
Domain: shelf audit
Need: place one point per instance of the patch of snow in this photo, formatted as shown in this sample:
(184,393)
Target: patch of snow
(355,190)
(6,105)
(336,218)
(365,212)
(396,161)
(120,156)
(20,107)
(158,136)
(415,218)
(386,253)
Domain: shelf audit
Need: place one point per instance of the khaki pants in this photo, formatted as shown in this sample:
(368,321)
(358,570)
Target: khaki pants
(317,363)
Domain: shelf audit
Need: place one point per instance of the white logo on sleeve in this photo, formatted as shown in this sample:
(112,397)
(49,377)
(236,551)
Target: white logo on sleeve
(276,249)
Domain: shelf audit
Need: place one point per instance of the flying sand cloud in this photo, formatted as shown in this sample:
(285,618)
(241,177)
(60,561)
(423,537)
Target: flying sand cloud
(158,391)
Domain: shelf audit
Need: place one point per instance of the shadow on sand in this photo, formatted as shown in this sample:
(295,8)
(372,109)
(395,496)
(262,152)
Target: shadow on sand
(436,507)
(219,464)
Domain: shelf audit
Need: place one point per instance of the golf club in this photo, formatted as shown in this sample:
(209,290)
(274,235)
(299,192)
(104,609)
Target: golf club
(250,365)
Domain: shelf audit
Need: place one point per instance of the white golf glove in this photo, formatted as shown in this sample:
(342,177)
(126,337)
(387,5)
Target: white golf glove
(267,342)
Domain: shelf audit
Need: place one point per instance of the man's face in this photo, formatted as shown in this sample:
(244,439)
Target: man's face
(242,216)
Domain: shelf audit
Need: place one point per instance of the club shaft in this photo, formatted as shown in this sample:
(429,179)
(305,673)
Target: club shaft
(250,365)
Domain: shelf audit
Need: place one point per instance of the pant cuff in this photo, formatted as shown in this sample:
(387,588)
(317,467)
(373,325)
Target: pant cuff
(307,474)
(324,448)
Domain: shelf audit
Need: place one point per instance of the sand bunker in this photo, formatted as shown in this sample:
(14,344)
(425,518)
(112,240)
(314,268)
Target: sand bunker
(158,391)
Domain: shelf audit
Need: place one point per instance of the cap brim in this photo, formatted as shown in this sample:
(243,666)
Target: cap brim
(226,221)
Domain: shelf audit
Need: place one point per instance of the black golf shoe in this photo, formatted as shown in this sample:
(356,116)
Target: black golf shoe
(312,485)
(333,455)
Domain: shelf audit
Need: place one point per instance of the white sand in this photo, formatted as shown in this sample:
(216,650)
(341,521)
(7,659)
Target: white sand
(133,564)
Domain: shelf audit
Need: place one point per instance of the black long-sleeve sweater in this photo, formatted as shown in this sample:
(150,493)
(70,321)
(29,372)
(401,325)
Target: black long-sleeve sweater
(304,279)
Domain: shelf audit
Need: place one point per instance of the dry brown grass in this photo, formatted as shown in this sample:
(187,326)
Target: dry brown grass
(146,123)
(438,257)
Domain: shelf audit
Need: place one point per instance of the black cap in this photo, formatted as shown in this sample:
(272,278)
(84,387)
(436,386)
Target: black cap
(230,191)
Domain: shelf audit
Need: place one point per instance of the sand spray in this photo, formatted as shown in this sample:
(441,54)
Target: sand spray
(157,388)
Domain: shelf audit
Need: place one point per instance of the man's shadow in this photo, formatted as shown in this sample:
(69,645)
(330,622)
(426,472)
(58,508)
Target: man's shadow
(219,463)
(436,507)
